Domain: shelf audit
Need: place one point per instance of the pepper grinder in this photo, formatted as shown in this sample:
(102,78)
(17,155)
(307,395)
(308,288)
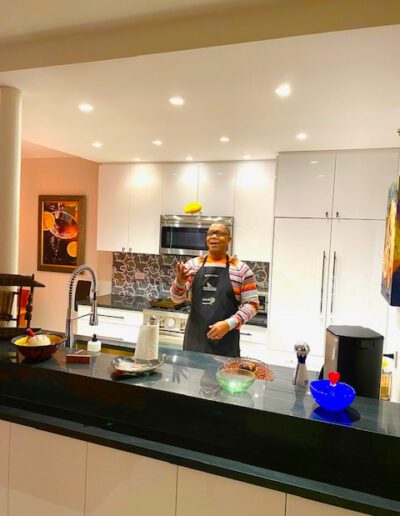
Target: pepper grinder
(300,377)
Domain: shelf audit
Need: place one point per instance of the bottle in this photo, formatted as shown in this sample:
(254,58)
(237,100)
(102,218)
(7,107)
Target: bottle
(94,344)
(386,378)
(300,377)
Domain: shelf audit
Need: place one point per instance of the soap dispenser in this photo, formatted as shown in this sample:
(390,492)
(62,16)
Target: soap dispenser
(94,344)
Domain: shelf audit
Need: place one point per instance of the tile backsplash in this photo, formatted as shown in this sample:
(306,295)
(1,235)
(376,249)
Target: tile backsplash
(151,275)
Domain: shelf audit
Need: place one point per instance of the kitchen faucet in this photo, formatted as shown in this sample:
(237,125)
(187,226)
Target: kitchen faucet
(93,321)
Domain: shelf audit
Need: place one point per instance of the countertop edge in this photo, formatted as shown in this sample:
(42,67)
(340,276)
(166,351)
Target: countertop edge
(290,484)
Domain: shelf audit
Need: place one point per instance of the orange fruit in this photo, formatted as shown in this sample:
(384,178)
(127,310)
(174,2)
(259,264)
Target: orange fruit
(47,220)
(72,249)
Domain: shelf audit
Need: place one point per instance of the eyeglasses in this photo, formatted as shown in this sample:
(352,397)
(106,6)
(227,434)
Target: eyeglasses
(218,234)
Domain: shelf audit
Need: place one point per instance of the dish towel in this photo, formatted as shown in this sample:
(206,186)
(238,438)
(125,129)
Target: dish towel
(6,302)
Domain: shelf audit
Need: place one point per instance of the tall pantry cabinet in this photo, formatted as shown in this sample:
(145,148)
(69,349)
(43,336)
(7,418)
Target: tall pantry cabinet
(328,244)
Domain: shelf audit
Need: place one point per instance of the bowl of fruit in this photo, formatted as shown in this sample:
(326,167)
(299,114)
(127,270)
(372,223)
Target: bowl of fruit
(35,347)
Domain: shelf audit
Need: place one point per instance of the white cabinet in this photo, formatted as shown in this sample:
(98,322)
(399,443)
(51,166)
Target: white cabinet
(203,494)
(4,464)
(305,184)
(354,295)
(217,188)
(296,506)
(362,181)
(125,484)
(299,284)
(322,277)
(254,210)
(113,207)
(47,473)
(180,186)
(145,208)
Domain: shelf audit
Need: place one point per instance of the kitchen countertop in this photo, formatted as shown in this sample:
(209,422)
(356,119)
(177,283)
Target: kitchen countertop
(272,435)
(139,303)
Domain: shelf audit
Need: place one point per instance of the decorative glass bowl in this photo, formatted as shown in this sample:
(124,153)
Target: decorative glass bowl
(235,380)
(37,353)
(331,394)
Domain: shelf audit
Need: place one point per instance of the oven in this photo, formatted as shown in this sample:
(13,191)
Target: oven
(172,325)
(186,234)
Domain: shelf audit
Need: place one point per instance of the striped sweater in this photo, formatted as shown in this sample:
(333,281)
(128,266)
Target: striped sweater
(243,284)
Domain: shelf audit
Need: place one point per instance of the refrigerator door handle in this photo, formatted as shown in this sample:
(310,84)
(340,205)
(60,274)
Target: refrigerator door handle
(322,283)
(333,280)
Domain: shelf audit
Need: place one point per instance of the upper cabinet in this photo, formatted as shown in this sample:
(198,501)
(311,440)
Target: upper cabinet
(217,188)
(305,184)
(339,184)
(145,207)
(113,207)
(180,186)
(362,181)
(254,210)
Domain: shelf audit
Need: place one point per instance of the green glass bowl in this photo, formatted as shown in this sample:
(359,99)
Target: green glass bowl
(235,380)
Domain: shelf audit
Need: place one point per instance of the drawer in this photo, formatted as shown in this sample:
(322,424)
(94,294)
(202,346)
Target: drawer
(253,334)
(110,330)
(117,316)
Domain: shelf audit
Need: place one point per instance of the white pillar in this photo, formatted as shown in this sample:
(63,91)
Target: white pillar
(10,172)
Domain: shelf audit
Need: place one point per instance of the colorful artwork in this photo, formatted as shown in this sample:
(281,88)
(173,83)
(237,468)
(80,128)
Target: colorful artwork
(61,242)
(391,259)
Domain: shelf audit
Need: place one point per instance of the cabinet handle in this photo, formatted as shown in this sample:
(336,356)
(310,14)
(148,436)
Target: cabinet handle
(116,339)
(112,316)
(337,214)
(130,249)
(326,214)
(333,280)
(123,249)
(322,282)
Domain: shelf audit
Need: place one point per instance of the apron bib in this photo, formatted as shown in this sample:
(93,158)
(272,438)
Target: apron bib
(213,300)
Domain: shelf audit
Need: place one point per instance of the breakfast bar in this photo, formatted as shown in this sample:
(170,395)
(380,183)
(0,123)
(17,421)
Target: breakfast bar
(272,435)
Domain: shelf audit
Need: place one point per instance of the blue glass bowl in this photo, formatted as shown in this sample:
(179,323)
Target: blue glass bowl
(332,397)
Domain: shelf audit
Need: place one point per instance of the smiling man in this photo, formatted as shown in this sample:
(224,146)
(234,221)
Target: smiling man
(223,293)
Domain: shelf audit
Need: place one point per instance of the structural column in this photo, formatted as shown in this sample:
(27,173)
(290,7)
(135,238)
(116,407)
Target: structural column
(10,172)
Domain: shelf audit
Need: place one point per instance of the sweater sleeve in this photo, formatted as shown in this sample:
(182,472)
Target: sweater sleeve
(181,292)
(248,301)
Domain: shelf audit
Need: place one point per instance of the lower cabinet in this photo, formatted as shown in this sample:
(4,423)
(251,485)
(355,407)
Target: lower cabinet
(202,494)
(45,474)
(126,484)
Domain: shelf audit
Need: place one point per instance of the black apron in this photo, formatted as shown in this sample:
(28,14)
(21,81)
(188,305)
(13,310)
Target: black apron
(213,300)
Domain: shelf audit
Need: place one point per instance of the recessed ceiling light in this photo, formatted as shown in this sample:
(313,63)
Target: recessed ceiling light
(157,142)
(247,156)
(177,101)
(189,158)
(97,145)
(224,139)
(314,162)
(284,90)
(301,136)
(136,159)
(86,108)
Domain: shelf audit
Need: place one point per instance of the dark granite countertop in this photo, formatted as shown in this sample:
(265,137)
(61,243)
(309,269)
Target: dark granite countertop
(139,303)
(272,435)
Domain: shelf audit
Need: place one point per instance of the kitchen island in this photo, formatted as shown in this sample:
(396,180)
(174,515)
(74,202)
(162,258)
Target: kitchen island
(272,436)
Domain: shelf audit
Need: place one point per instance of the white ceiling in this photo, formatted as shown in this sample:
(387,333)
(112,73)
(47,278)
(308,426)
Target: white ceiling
(345,95)
(32,17)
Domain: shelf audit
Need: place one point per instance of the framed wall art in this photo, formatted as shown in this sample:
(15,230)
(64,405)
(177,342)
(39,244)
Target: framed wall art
(61,232)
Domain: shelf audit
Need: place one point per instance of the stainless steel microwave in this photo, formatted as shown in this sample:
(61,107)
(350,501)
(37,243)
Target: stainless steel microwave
(186,234)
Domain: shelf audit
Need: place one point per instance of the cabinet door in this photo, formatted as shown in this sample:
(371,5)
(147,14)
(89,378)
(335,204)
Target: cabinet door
(354,296)
(113,207)
(203,494)
(125,484)
(47,473)
(145,208)
(305,184)
(299,284)
(254,210)
(296,506)
(362,181)
(180,186)
(217,188)
(4,464)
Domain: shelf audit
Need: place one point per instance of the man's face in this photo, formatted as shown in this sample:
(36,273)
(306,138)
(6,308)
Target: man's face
(218,238)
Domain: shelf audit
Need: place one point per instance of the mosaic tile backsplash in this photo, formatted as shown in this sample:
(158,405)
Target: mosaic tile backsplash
(151,275)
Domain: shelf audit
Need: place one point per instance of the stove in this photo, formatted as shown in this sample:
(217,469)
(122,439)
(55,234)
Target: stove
(172,321)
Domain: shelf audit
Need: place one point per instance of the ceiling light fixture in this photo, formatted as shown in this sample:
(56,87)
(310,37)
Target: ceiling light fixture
(176,101)
(97,145)
(247,156)
(136,159)
(224,139)
(189,158)
(157,142)
(86,108)
(284,90)
(301,136)
(314,162)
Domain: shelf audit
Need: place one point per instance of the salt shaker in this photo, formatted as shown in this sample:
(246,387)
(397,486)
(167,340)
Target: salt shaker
(300,377)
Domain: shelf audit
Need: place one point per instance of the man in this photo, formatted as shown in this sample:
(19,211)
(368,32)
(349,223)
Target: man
(223,293)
